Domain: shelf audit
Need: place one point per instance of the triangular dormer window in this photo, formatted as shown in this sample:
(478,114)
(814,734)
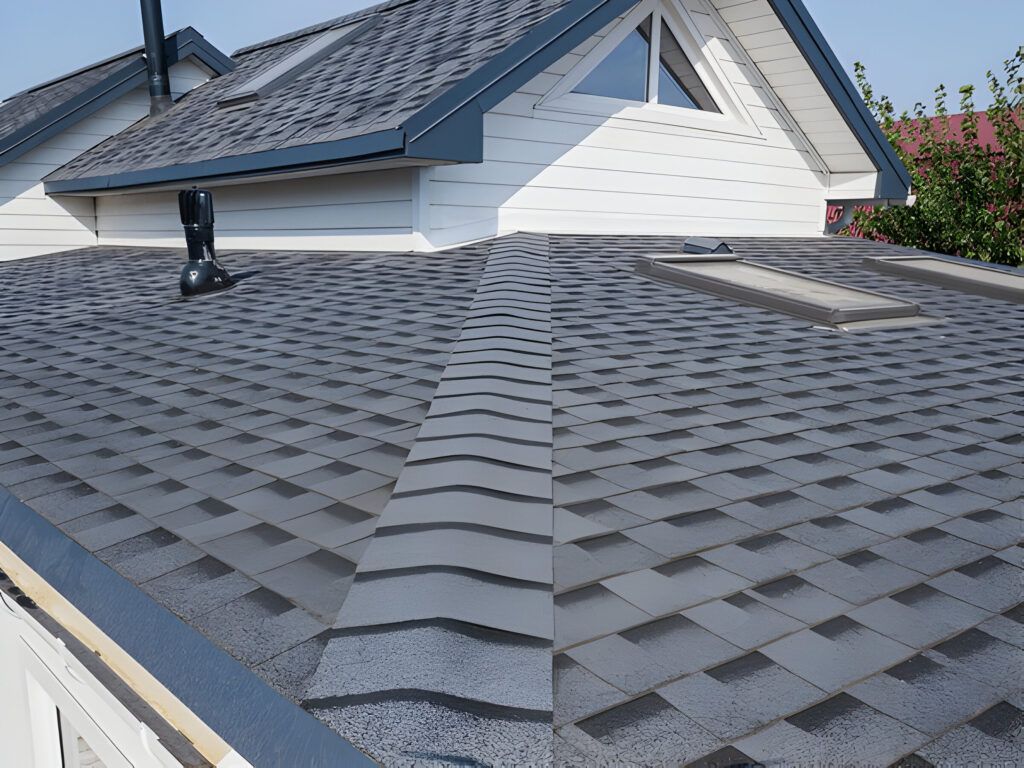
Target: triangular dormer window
(649,65)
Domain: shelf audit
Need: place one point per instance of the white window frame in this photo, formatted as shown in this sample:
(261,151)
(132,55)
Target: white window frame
(734,117)
(40,677)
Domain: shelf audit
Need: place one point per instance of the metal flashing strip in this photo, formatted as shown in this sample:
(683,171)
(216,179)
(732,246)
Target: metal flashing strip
(820,301)
(1005,285)
(452,608)
(232,701)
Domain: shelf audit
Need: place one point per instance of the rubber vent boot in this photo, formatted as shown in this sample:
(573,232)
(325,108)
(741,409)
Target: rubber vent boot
(203,273)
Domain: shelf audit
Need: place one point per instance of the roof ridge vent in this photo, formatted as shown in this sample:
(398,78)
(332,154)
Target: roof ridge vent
(291,66)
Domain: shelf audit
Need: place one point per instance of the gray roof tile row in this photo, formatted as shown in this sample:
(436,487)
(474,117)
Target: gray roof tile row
(803,512)
(758,540)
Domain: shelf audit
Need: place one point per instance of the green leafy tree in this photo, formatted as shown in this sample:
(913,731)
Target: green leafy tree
(970,197)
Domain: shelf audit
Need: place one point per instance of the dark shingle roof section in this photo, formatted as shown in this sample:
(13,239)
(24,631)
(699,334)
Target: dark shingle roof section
(767,533)
(418,50)
(30,117)
(770,541)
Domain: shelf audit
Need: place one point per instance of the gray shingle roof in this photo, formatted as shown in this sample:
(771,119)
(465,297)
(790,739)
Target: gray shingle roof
(29,105)
(418,50)
(30,117)
(407,490)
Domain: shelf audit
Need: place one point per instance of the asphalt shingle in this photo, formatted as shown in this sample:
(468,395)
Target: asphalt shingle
(740,502)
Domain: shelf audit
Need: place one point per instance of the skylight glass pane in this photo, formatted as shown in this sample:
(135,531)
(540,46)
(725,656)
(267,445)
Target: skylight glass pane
(679,85)
(268,80)
(623,73)
(778,289)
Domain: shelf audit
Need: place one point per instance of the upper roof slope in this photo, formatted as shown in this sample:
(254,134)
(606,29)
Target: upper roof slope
(373,84)
(346,478)
(413,84)
(30,117)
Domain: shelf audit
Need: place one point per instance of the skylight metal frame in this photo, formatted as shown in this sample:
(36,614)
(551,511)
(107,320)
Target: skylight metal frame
(1008,287)
(880,307)
(291,66)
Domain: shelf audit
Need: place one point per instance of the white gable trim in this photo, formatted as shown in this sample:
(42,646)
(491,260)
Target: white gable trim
(734,117)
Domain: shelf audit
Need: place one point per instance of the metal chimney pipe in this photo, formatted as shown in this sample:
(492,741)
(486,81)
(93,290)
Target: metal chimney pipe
(156,57)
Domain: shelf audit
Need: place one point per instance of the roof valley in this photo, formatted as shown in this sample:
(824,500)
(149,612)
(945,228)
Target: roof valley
(450,615)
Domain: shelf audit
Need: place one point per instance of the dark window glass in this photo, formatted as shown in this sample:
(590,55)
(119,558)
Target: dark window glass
(623,73)
(679,85)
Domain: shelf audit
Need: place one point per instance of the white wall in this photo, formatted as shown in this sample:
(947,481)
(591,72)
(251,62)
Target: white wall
(38,675)
(31,223)
(355,211)
(555,171)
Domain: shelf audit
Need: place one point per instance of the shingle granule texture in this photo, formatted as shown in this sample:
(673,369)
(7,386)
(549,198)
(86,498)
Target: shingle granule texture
(724,533)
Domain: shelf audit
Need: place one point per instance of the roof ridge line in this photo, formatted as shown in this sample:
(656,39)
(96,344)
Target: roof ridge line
(414,575)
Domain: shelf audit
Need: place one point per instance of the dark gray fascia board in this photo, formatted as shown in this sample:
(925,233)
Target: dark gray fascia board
(261,725)
(449,129)
(180,45)
(188,42)
(893,178)
(382,145)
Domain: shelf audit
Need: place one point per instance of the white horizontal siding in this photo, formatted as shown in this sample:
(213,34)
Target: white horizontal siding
(760,32)
(852,186)
(561,171)
(353,211)
(33,224)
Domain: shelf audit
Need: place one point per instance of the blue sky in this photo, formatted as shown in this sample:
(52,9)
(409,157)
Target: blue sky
(909,46)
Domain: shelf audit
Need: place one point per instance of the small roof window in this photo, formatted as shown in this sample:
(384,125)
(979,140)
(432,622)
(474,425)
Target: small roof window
(969,278)
(291,66)
(820,301)
(633,72)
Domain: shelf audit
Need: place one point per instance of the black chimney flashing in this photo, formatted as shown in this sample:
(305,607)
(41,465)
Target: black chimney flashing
(156,57)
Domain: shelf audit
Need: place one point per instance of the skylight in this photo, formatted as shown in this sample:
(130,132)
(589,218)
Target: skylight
(969,278)
(628,71)
(761,286)
(291,66)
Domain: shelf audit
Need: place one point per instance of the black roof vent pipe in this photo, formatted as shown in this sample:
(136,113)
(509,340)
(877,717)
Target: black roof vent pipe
(202,274)
(156,57)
